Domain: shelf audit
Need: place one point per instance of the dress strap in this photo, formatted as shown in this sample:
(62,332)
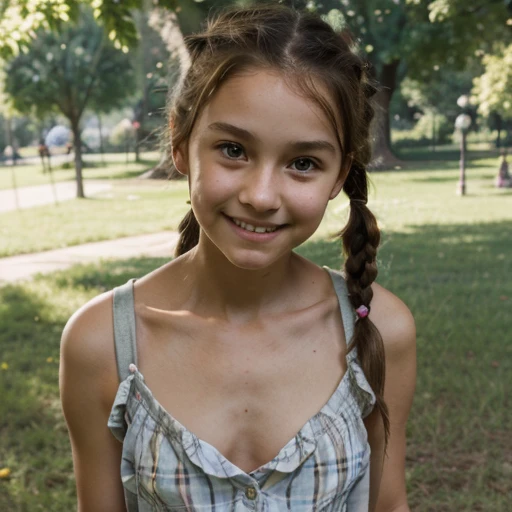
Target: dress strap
(124,328)
(347,311)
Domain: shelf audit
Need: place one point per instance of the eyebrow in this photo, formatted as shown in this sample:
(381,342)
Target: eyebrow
(305,145)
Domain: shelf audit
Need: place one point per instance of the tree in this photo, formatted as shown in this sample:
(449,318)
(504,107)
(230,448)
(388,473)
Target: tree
(20,19)
(415,39)
(69,72)
(493,89)
(172,27)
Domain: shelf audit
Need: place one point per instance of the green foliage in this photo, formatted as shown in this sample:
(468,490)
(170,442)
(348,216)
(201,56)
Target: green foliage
(68,71)
(414,32)
(432,123)
(20,19)
(493,89)
(438,95)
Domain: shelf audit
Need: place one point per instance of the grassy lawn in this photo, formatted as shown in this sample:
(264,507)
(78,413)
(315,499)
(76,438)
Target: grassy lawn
(447,257)
(108,166)
(132,207)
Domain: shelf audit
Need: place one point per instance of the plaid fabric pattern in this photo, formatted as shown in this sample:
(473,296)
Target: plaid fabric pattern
(324,468)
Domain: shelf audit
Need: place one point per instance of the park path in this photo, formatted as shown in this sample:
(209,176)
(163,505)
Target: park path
(25,266)
(38,195)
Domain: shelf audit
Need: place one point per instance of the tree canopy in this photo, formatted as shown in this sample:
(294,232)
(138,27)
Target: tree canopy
(493,89)
(20,19)
(69,71)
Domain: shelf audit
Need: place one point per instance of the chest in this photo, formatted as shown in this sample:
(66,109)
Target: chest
(247,390)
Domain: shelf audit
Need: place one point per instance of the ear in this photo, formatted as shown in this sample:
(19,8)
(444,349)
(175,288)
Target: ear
(180,159)
(342,176)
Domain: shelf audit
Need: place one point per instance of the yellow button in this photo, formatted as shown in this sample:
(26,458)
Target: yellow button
(250,492)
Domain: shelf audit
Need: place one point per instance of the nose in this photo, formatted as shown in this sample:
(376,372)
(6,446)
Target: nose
(261,189)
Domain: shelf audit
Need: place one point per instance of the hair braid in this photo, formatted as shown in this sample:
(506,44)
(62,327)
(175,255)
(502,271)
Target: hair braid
(189,234)
(361,237)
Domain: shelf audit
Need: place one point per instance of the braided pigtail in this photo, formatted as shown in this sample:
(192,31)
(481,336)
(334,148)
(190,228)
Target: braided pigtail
(361,237)
(189,234)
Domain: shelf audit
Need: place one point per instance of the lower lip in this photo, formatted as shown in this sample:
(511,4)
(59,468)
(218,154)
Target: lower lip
(252,236)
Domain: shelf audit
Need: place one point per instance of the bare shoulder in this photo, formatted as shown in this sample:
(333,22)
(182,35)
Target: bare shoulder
(394,321)
(87,343)
(88,384)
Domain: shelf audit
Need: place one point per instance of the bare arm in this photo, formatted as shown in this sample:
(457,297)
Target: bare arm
(396,324)
(88,383)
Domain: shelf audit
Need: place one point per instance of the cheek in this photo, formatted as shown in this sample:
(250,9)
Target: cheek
(212,186)
(310,205)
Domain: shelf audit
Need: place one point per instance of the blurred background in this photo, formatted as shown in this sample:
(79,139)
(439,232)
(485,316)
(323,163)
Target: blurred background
(89,198)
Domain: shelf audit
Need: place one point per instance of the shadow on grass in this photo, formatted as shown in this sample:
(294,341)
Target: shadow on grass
(444,179)
(33,440)
(105,275)
(135,173)
(427,155)
(454,278)
(456,281)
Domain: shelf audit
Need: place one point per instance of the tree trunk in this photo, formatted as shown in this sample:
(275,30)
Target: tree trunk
(77,145)
(166,24)
(102,149)
(10,139)
(382,155)
(164,170)
(499,126)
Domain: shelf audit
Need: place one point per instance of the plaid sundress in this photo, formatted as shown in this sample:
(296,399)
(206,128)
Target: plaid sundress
(165,467)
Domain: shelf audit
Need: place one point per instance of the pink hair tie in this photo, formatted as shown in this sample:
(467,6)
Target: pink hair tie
(362,311)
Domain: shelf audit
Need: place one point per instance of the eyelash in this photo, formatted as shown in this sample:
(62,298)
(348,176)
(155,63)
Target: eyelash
(233,144)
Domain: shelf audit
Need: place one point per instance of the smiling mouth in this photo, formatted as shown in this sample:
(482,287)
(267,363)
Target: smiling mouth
(252,228)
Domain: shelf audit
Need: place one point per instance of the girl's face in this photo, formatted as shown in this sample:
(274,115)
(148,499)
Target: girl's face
(263,163)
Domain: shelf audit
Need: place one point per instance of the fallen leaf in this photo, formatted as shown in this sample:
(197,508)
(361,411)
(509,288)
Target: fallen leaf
(5,472)
(495,364)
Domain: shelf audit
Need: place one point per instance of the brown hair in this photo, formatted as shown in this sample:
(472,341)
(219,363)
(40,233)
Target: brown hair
(298,44)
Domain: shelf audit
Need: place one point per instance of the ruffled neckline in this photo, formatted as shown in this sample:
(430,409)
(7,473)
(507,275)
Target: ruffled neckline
(289,457)
(353,390)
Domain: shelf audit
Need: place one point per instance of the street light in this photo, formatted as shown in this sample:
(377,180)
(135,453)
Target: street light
(462,123)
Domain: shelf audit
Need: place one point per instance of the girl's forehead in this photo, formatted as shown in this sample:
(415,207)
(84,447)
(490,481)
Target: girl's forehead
(266,101)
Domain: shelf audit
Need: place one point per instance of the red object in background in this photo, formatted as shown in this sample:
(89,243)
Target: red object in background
(136,124)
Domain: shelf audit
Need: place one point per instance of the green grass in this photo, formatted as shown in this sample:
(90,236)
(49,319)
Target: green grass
(130,208)
(110,166)
(447,257)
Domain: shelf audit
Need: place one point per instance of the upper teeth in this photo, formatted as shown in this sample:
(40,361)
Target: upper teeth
(256,229)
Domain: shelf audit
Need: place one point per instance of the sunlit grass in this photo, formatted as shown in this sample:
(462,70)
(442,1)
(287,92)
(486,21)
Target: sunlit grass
(130,208)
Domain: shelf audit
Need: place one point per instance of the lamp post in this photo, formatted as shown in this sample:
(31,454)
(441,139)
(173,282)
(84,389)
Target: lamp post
(462,123)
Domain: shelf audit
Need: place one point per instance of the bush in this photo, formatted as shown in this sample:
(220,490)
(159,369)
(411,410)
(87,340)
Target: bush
(443,128)
(420,135)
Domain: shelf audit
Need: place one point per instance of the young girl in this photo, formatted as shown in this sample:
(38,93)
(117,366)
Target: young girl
(240,375)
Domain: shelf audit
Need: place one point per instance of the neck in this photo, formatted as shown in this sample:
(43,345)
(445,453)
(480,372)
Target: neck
(239,295)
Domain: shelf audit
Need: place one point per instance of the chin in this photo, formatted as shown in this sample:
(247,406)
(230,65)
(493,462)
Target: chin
(252,261)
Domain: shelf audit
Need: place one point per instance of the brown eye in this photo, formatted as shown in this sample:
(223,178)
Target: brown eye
(304,165)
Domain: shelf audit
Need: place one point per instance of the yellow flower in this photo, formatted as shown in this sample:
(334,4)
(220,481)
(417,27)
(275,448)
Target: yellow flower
(49,359)
(4,366)
(5,472)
